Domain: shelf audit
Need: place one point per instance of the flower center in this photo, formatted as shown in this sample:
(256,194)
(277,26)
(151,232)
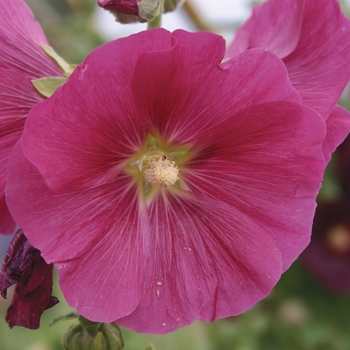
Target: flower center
(161,171)
(158,167)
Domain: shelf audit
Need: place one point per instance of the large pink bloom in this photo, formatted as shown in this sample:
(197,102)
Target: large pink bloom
(21,59)
(153,256)
(312,38)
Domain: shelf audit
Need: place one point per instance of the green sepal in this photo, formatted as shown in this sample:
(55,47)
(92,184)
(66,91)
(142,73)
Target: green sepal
(149,9)
(47,86)
(99,342)
(88,335)
(66,67)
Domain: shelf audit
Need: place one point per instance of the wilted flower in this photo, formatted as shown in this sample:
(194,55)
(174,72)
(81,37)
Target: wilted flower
(168,186)
(24,267)
(312,38)
(21,59)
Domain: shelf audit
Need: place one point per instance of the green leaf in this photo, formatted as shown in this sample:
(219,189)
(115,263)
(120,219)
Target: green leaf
(47,86)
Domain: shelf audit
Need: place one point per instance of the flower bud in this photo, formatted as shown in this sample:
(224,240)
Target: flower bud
(90,335)
(130,11)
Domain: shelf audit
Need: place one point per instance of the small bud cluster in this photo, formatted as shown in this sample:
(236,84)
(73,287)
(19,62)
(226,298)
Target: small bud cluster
(90,335)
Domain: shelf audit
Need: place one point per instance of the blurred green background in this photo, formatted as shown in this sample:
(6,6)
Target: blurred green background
(299,314)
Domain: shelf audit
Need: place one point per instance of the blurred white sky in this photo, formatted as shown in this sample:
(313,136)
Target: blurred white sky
(220,13)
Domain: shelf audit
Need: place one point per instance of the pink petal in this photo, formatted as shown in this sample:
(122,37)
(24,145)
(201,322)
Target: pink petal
(17,97)
(87,137)
(338,127)
(228,265)
(319,65)
(104,246)
(274,25)
(269,165)
(20,39)
(185,89)
(210,262)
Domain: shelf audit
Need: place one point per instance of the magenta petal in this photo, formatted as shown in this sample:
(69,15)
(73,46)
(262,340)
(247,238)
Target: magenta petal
(319,65)
(17,97)
(274,25)
(98,130)
(20,39)
(185,89)
(338,127)
(25,267)
(267,162)
(210,262)
(7,224)
(108,241)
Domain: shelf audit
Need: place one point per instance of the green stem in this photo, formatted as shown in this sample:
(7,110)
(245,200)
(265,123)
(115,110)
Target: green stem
(155,23)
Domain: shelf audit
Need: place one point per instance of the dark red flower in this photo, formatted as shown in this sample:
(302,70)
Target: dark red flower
(24,267)
(328,255)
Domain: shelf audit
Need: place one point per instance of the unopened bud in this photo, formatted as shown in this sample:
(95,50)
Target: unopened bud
(131,11)
(93,336)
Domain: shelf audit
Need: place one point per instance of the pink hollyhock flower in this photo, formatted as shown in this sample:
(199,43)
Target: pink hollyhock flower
(24,267)
(21,60)
(312,38)
(328,255)
(176,187)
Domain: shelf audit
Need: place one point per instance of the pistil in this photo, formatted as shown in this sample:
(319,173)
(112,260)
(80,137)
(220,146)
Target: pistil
(161,172)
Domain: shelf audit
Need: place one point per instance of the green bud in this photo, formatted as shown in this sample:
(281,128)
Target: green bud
(90,335)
